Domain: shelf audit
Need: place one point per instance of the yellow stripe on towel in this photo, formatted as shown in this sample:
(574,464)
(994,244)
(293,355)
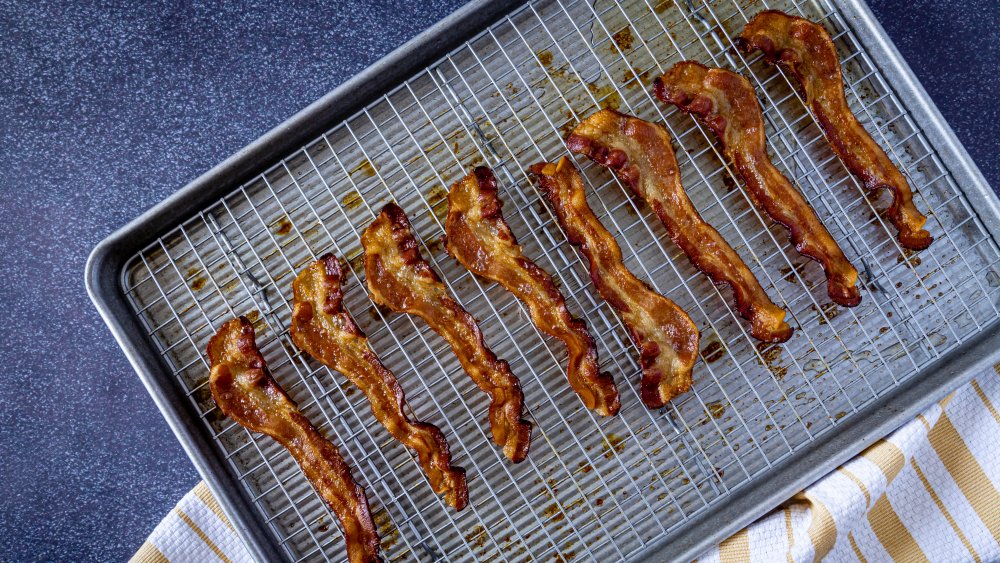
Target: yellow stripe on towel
(201,534)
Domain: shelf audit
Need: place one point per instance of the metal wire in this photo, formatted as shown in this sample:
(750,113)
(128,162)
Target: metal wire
(592,488)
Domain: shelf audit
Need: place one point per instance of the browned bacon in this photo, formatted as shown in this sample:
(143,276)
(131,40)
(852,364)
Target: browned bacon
(245,391)
(727,104)
(666,336)
(479,238)
(325,330)
(805,50)
(400,279)
(639,153)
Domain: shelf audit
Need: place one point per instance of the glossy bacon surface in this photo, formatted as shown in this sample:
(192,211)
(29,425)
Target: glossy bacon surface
(400,279)
(245,391)
(479,238)
(727,104)
(640,154)
(805,49)
(325,330)
(666,336)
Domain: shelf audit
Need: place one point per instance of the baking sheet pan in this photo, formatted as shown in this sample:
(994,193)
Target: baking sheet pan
(760,424)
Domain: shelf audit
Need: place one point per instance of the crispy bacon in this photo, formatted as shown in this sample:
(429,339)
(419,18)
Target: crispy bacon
(325,330)
(479,238)
(727,104)
(666,336)
(245,391)
(640,154)
(805,49)
(400,279)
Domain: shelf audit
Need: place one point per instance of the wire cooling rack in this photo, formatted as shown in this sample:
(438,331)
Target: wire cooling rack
(591,488)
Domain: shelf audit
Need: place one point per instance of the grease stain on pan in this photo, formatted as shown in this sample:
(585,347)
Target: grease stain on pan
(715,409)
(365,169)
(231,286)
(553,512)
(770,357)
(713,351)
(633,78)
(623,39)
(282,226)
(729,183)
(198,282)
(386,530)
(564,557)
(791,273)
(352,200)
(437,200)
(545,57)
(909,256)
(606,96)
(827,312)
(476,537)
(612,444)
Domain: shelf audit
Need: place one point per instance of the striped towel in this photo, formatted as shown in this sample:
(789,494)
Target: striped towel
(930,491)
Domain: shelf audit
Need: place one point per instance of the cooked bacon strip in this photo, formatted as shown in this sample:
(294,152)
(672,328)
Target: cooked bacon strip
(639,153)
(323,328)
(400,279)
(245,391)
(479,238)
(666,336)
(805,49)
(727,104)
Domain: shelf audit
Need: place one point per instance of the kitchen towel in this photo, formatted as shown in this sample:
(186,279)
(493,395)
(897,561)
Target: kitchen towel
(930,491)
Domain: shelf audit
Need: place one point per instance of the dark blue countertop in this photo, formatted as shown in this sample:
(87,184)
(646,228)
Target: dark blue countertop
(104,111)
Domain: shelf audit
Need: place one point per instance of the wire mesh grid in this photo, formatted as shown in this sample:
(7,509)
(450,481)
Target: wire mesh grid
(591,488)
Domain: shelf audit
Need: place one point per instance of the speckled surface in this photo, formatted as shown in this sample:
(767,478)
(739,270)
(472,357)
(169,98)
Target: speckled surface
(104,112)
